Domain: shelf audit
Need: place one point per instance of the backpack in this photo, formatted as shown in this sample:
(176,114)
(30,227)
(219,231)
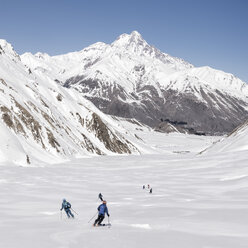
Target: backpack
(68,205)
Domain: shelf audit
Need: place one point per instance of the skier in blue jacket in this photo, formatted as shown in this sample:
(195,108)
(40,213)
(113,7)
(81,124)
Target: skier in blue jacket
(102,209)
(66,206)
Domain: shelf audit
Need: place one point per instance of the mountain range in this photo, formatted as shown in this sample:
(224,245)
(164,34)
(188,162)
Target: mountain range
(130,78)
(41,120)
(96,101)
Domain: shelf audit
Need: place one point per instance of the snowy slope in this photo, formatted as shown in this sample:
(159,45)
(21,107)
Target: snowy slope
(234,142)
(130,78)
(42,121)
(197,202)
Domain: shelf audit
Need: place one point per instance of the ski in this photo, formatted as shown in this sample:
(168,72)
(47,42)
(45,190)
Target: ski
(109,225)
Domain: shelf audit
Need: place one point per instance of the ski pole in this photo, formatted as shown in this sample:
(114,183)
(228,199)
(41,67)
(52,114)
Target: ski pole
(74,211)
(109,224)
(92,217)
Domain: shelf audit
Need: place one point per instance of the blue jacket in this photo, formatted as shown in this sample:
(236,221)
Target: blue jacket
(65,205)
(103,209)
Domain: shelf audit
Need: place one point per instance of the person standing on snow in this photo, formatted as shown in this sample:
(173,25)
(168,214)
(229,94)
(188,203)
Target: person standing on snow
(66,206)
(102,209)
(100,196)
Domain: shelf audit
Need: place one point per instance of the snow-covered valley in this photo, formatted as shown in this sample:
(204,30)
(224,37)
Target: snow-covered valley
(71,127)
(198,201)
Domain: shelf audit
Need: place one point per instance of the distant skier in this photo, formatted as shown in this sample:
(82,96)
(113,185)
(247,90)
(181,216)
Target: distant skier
(100,196)
(102,209)
(150,191)
(144,186)
(66,206)
(148,186)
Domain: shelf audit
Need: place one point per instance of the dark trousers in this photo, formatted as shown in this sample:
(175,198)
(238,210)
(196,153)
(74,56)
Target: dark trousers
(69,213)
(99,219)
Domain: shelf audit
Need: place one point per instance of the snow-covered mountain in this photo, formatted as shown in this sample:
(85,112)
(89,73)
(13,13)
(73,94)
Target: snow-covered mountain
(130,78)
(41,120)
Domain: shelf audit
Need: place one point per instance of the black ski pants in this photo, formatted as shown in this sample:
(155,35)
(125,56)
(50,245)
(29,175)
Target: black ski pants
(99,219)
(69,213)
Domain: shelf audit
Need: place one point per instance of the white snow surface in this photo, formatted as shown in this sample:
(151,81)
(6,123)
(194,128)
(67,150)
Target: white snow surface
(197,201)
(234,142)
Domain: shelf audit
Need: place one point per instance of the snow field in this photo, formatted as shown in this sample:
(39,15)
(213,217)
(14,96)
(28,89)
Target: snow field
(196,202)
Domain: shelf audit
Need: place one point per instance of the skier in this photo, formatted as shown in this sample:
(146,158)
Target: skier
(100,196)
(66,206)
(148,186)
(102,209)
(144,186)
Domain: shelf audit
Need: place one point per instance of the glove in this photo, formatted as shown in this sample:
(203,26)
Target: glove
(108,215)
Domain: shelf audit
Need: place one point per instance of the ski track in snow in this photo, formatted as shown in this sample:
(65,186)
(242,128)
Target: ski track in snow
(195,204)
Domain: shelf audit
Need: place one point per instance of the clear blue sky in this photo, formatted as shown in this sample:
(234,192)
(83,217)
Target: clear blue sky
(203,32)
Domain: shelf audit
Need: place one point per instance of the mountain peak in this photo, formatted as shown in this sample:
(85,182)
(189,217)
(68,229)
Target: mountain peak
(7,48)
(133,34)
(136,37)
(128,39)
(136,34)
(42,55)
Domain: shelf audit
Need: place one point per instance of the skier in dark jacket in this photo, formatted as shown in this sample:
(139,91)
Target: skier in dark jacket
(66,206)
(102,209)
(100,196)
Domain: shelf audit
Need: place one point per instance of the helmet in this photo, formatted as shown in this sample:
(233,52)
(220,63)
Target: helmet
(64,200)
(104,202)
